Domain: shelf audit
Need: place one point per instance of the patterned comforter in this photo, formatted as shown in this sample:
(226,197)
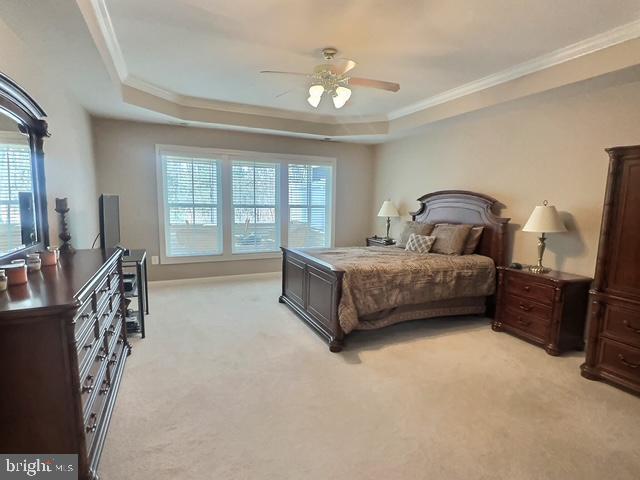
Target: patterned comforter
(381,278)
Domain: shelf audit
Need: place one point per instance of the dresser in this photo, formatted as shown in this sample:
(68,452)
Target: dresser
(63,350)
(613,345)
(548,309)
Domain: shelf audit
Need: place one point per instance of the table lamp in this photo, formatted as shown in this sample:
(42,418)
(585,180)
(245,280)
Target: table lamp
(543,219)
(388,210)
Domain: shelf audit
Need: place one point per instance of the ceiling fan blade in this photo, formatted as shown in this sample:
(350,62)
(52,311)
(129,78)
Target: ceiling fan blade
(285,73)
(369,83)
(342,66)
(286,91)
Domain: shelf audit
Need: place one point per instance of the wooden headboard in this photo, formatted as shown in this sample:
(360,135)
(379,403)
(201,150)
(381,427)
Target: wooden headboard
(459,206)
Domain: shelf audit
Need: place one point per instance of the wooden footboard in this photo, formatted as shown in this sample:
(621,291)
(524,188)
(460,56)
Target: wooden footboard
(312,289)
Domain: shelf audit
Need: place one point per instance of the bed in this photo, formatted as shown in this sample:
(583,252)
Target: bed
(336,291)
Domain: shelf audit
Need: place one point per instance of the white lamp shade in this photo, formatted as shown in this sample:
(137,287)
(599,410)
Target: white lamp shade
(341,96)
(544,219)
(388,209)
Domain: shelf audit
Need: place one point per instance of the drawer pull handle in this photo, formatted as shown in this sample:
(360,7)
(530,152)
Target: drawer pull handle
(104,290)
(625,362)
(84,315)
(633,329)
(105,388)
(113,360)
(88,346)
(92,428)
(524,307)
(523,321)
(101,357)
(88,387)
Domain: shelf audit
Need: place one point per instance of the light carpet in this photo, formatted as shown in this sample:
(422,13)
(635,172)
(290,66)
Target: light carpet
(229,384)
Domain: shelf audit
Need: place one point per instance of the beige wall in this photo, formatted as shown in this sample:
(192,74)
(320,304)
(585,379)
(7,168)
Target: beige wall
(69,164)
(547,146)
(126,166)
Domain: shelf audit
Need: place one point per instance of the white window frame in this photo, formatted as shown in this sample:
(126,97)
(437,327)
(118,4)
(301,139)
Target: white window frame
(226,157)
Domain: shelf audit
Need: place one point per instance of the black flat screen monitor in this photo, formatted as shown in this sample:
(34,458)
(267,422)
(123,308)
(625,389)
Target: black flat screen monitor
(109,221)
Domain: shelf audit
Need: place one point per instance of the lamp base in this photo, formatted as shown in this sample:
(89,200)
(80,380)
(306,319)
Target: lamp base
(539,269)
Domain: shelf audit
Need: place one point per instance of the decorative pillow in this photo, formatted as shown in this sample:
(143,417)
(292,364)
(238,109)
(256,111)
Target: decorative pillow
(473,240)
(450,239)
(419,243)
(413,227)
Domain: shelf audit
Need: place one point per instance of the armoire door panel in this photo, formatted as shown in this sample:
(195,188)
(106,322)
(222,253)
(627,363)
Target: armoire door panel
(623,272)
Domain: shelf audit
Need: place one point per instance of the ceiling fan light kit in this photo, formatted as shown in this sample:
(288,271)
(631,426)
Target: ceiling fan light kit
(332,78)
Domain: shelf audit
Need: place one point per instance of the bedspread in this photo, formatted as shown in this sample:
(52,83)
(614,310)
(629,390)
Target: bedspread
(380,278)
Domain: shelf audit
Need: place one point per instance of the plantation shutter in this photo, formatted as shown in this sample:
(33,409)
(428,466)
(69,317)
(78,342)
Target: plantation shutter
(255,199)
(310,188)
(15,178)
(193,224)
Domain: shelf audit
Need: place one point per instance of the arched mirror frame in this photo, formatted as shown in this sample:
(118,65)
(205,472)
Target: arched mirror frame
(19,106)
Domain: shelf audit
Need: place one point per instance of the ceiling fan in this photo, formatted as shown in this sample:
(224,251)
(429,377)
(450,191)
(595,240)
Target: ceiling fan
(332,77)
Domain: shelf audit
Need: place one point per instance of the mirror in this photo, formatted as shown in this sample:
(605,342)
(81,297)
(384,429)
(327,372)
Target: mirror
(23,205)
(17,214)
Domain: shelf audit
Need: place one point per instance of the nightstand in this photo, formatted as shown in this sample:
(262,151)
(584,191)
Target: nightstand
(376,241)
(547,309)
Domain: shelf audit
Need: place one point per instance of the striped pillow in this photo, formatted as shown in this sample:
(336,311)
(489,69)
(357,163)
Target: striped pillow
(419,243)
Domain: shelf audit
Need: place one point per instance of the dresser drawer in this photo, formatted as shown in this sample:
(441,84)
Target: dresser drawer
(622,323)
(90,384)
(620,359)
(527,306)
(528,324)
(86,345)
(523,287)
(103,290)
(83,317)
(95,415)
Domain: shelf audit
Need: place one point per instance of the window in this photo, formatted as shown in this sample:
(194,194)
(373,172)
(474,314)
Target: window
(227,205)
(255,207)
(15,183)
(191,192)
(309,205)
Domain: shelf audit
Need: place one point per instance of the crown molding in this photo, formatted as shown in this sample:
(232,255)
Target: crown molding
(590,45)
(219,105)
(99,22)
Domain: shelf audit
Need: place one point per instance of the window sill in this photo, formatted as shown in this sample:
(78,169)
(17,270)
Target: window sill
(220,258)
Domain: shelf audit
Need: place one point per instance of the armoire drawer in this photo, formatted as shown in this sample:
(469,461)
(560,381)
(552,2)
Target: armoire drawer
(622,323)
(620,359)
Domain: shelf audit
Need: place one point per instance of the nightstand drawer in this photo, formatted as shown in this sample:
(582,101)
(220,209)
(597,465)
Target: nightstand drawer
(620,359)
(528,324)
(517,285)
(528,306)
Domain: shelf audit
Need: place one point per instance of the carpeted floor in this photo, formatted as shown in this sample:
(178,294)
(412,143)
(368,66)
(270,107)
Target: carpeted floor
(229,384)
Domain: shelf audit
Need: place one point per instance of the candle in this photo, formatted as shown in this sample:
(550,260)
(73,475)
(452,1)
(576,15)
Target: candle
(49,257)
(16,273)
(61,204)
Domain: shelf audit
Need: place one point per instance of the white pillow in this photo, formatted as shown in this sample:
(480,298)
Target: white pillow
(419,243)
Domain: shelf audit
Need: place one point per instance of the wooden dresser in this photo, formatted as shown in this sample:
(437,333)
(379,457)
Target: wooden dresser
(63,349)
(547,309)
(613,347)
